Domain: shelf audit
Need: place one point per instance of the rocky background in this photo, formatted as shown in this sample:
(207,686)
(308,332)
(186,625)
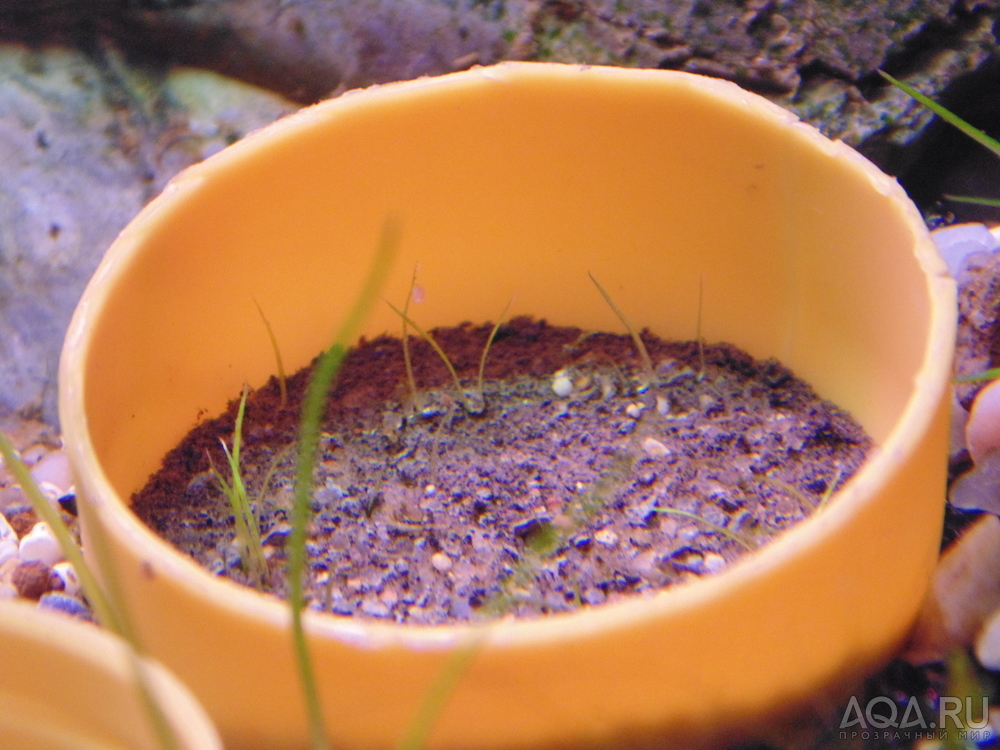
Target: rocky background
(102,101)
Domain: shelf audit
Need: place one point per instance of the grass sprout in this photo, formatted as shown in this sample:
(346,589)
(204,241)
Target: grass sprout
(110,610)
(952,119)
(282,380)
(247,528)
(313,407)
(831,488)
(486,349)
(647,363)
(472,405)
(714,527)
(407,361)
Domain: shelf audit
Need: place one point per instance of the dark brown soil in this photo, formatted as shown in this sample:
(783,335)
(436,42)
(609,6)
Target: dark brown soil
(543,502)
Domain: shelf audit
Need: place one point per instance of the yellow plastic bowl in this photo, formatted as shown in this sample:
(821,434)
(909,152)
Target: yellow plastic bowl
(66,685)
(518,180)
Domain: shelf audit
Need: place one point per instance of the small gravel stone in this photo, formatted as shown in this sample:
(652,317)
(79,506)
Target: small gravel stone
(606,537)
(40,545)
(562,386)
(713,562)
(441,562)
(34,578)
(654,448)
(635,410)
(69,605)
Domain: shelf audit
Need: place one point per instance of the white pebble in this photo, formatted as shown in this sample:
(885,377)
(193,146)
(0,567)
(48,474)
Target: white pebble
(40,545)
(713,562)
(430,490)
(54,469)
(662,405)
(982,431)
(959,241)
(562,386)
(67,574)
(655,448)
(635,410)
(441,562)
(606,537)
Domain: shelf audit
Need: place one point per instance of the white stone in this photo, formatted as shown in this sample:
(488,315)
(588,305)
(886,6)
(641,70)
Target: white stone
(40,544)
(54,469)
(713,562)
(562,386)
(982,431)
(655,448)
(606,537)
(441,562)
(635,410)
(957,242)
(67,574)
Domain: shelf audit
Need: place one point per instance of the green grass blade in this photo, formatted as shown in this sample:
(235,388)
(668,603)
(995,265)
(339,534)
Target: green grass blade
(647,363)
(992,202)
(979,377)
(414,392)
(830,489)
(434,345)
(486,349)
(438,694)
(309,430)
(975,133)
(247,527)
(282,380)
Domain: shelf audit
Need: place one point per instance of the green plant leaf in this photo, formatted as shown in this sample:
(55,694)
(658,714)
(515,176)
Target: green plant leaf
(992,202)
(975,133)
(979,377)
(313,407)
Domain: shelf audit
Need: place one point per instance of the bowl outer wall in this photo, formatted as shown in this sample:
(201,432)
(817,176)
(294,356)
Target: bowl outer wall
(518,179)
(67,684)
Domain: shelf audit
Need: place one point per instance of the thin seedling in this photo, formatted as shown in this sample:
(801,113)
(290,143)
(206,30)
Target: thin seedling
(109,608)
(407,361)
(473,401)
(282,380)
(647,364)
(247,527)
(713,527)
(952,119)
(313,407)
(486,349)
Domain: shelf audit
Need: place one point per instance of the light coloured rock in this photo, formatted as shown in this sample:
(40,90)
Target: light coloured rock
(654,448)
(53,469)
(40,545)
(982,432)
(441,562)
(714,562)
(562,385)
(84,144)
(964,591)
(979,488)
